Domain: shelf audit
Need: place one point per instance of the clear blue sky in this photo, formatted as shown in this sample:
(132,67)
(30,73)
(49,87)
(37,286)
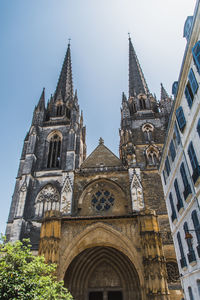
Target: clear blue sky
(33,41)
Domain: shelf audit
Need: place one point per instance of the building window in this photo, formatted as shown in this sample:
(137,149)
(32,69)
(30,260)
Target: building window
(148,129)
(187,27)
(172,150)
(59,110)
(179,199)
(164,176)
(198,127)
(174,88)
(180,118)
(196,55)
(178,139)
(167,166)
(190,293)
(68,113)
(198,286)
(194,162)
(187,188)
(47,199)
(182,260)
(191,88)
(173,215)
(196,224)
(142,104)
(54,152)
(191,255)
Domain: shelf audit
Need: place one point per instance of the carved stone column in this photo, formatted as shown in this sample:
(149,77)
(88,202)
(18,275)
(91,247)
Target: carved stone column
(153,258)
(50,236)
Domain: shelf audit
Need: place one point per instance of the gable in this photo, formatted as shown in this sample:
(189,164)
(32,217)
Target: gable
(101,157)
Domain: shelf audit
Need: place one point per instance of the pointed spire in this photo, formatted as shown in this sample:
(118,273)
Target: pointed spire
(123,97)
(81,119)
(137,82)
(65,82)
(164,94)
(41,103)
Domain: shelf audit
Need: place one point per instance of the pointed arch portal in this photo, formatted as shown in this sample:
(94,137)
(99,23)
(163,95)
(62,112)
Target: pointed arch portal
(102,273)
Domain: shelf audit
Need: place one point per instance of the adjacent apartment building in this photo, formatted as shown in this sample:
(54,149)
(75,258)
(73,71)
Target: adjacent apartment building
(180,163)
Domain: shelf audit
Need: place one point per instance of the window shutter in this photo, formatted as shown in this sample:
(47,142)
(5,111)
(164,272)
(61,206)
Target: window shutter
(180,118)
(174,88)
(192,156)
(178,138)
(188,97)
(172,150)
(173,216)
(164,176)
(180,244)
(198,127)
(183,175)
(196,55)
(196,224)
(167,166)
(180,202)
(193,82)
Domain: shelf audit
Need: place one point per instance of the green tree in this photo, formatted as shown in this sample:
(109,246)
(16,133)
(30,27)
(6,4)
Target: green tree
(27,277)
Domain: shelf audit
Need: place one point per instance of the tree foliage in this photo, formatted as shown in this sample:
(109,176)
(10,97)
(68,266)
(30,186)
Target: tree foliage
(26,277)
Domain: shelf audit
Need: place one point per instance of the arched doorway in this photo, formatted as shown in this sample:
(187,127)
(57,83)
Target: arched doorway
(102,273)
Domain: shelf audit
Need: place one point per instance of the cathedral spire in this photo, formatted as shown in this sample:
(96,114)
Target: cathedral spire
(65,82)
(137,82)
(164,93)
(41,103)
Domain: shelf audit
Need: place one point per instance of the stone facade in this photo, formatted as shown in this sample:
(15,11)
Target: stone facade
(104,219)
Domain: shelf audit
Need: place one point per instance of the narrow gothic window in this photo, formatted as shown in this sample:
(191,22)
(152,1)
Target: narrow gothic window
(148,130)
(59,110)
(54,152)
(142,104)
(68,113)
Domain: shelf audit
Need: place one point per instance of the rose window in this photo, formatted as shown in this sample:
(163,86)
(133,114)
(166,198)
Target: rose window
(102,200)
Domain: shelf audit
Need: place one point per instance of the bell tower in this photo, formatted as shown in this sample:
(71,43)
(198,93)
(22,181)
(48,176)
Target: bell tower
(53,148)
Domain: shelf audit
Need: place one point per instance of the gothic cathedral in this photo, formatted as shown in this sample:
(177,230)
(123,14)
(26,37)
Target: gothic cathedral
(101,218)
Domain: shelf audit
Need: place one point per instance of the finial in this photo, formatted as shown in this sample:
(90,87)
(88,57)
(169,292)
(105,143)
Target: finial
(129,35)
(69,40)
(101,141)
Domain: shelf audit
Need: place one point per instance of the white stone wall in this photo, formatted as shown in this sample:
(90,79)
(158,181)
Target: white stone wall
(191,273)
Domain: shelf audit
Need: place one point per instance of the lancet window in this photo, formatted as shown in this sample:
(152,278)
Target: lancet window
(147,129)
(47,199)
(142,104)
(59,110)
(152,154)
(54,154)
(68,113)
